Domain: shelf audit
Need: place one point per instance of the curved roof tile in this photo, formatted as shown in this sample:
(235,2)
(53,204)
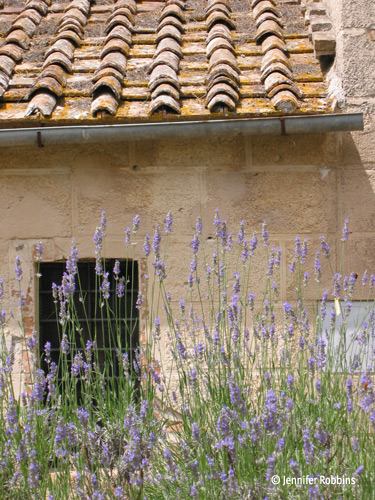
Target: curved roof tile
(85,61)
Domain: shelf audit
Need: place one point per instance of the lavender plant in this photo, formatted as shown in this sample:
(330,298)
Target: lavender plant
(234,392)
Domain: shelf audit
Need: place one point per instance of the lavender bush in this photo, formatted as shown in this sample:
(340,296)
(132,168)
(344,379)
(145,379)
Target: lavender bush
(233,394)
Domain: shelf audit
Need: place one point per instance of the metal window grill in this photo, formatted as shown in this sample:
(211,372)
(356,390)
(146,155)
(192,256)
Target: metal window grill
(115,326)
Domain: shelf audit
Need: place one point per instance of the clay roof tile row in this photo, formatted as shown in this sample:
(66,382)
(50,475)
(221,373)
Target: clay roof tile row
(276,69)
(128,60)
(109,76)
(18,39)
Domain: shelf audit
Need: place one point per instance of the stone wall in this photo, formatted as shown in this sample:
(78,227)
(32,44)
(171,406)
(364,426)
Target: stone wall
(299,184)
(305,184)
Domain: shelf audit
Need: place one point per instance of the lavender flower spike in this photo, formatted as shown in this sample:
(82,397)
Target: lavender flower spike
(345,231)
(168,223)
(136,222)
(265,234)
(39,251)
(18,269)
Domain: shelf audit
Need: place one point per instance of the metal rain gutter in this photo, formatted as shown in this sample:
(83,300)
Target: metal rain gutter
(82,134)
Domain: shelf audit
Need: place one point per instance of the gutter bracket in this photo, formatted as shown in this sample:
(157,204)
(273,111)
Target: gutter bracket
(39,139)
(282,123)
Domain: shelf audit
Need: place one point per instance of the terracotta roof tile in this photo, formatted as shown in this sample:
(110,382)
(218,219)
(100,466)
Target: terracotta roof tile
(121,61)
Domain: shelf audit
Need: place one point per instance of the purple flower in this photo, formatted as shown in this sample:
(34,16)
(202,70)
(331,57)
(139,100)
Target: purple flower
(224,233)
(32,341)
(318,385)
(271,262)
(83,415)
(265,234)
(47,350)
(305,279)
(217,222)
(320,433)
(288,310)
(278,258)
(98,240)
(323,305)
(336,285)
(320,353)
(146,245)
(245,251)
(345,231)
(194,493)
(271,465)
(308,446)
(241,233)
(77,364)
(325,248)
(157,329)
(317,267)
(198,225)
(116,269)
(359,471)
(120,288)
(127,237)
(119,493)
(156,242)
(297,248)
(39,251)
(294,466)
(104,287)
(253,243)
(18,269)
(195,430)
(65,344)
(270,413)
(136,222)
(160,269)
(304,251)
(195,244)
(364,278)
(71,263)
(168,223)
(140,300)
(256,433)
(292,266)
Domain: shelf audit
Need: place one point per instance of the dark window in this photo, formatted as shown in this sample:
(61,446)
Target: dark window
(114,326)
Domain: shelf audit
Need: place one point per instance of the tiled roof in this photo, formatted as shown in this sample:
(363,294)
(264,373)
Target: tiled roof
(126,61)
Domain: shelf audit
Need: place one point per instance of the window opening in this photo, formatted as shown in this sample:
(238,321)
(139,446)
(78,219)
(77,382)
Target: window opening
(114,326)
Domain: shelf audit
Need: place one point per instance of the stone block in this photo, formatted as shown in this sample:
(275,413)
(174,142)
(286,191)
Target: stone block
(357,63)
(358,199)
(297,149)
(35,206)
(316,9)
(289,201)
(218,152)
(123,193)
(324,43)
(359,147)
(320,23)
(360,257)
